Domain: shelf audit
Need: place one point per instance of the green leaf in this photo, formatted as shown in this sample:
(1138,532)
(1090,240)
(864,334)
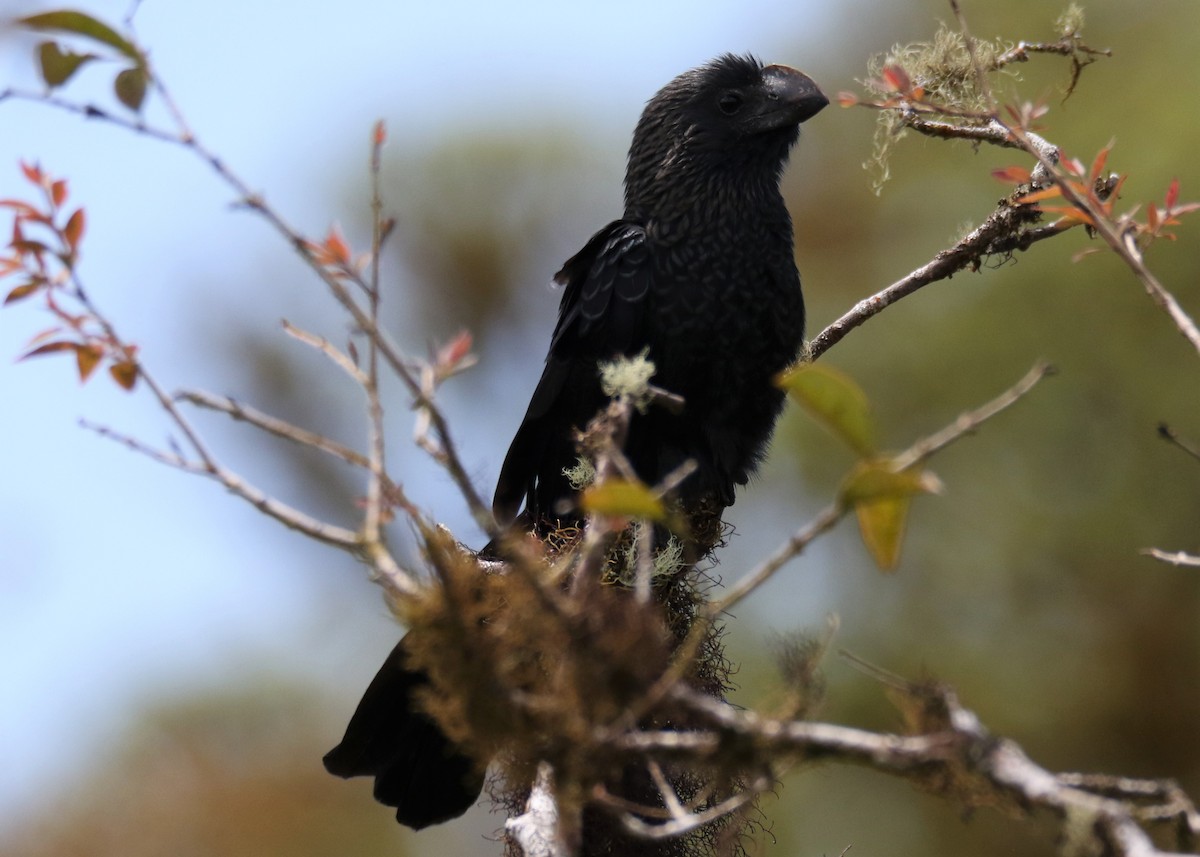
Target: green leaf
(623,498)
(881,523)
(835,400)
(130,87)
(876,479)
(58,65)
(79,24)
(881,496)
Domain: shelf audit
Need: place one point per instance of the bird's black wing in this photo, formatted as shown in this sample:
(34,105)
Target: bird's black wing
(603,313)
(416,768)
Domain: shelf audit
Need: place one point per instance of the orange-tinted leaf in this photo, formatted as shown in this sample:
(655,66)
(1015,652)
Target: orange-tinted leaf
(882,524)
(124,373)
(130,87)
(380,134)
(1152,217)
(73,231)
(336,247)
(624,498)
(1073,166)
(896,79)
(22,291)
(847,99)
(87,358)
(1069,216)
(48,348)
(1012,175)
(835,400)
(1038,195)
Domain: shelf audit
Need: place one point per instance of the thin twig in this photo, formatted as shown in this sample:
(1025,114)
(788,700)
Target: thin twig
(1169,434)
(968,422)
(338,357)
(375,513)
(1000,233)
(290,517)
(272,425)
(1177,558)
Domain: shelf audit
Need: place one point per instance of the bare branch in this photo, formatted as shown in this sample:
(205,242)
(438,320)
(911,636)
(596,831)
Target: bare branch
(290,517)
(338,357)
(956,755)
(537,830)
(377,510)
(272,425)
(968,422)
(1002,232)
(1177,558)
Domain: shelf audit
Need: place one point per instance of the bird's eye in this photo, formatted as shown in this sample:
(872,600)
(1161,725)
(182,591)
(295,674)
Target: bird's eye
(730,102)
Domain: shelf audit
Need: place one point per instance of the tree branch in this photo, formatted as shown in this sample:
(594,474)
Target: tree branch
(1002,232)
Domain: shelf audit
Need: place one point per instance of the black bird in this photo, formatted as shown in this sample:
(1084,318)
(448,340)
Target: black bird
(700,272)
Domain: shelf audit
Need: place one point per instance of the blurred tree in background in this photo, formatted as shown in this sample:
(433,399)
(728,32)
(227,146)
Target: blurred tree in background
(1023,587)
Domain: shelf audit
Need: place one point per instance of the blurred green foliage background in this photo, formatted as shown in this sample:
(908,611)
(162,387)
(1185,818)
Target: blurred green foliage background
(1022,586)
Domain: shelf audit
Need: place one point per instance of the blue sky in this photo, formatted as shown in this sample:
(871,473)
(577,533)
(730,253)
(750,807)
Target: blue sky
(118,576)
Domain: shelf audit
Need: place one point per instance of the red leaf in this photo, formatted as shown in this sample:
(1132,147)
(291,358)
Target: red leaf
(1098,162)
(453,352)
(1172,194)
(380,134)
(58,192)
(1152,217)
(22,209)
(73,231)
(1012,175)
(896,79)
(48,348)
(33,172)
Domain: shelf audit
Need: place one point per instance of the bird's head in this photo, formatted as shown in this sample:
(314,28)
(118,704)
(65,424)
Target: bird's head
(732,116)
